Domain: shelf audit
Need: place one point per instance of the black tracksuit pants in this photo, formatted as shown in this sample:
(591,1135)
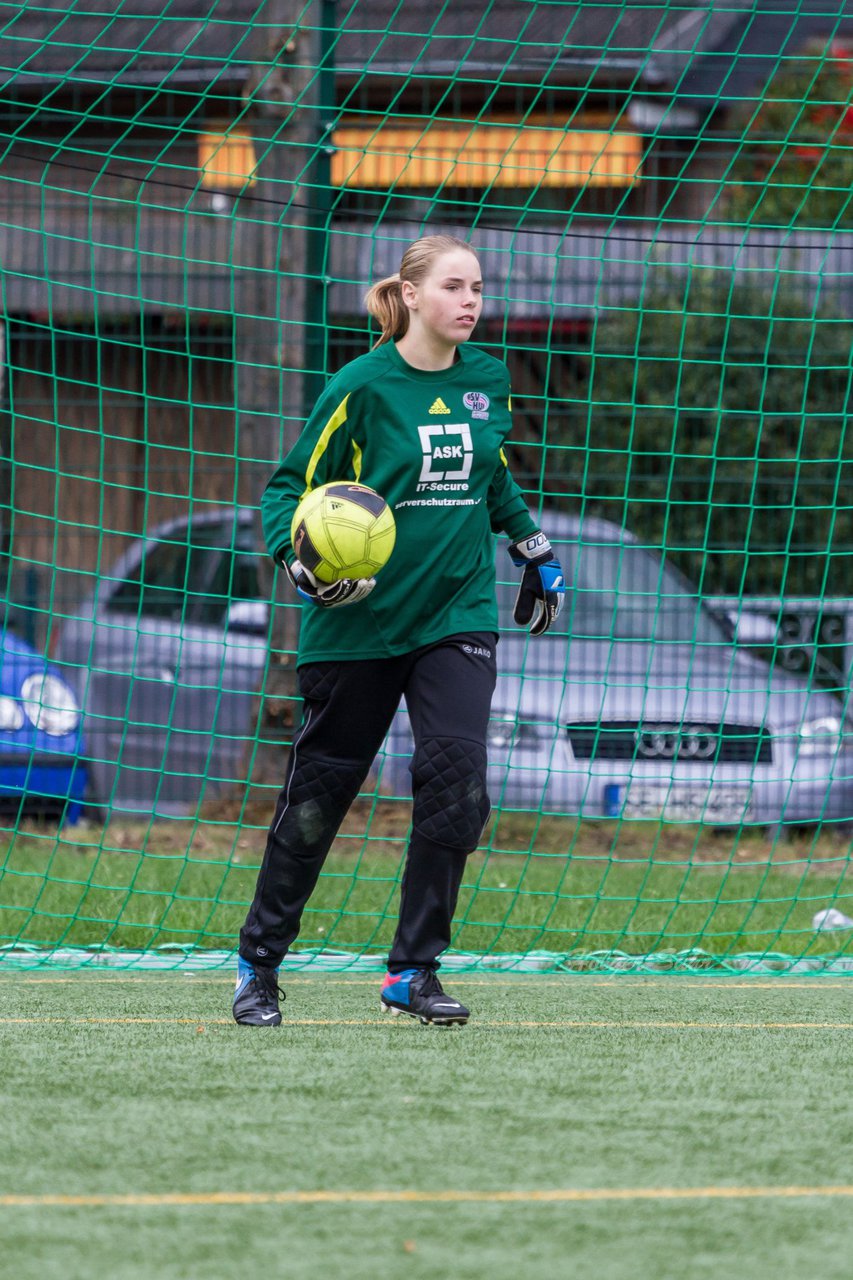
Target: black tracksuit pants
(348,709)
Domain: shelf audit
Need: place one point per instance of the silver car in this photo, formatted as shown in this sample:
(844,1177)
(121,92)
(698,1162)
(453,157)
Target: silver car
(645,707)
(639,704)
(167,658)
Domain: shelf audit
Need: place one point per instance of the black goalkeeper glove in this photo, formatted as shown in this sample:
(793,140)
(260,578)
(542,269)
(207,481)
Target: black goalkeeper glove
(540,595)
(326,594)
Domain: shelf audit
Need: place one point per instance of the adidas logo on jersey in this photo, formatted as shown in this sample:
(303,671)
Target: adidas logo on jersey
(438,406)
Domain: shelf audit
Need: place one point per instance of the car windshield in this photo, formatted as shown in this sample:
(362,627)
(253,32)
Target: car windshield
(624,593)
(620,591)
(192,575)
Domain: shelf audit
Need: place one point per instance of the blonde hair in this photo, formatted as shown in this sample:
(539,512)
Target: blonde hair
(384,300)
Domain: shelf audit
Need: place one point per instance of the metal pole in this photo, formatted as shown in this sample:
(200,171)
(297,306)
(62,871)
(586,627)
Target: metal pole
(320,216)
(271,235)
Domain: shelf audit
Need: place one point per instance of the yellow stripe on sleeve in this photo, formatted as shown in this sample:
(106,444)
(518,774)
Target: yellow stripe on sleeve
(356,460)
(503,458)
(337,419)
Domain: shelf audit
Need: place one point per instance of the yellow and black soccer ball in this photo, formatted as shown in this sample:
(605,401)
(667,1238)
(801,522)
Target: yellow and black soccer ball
(343,530)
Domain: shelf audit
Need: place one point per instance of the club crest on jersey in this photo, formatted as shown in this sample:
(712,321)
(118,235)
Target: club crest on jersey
(478,403)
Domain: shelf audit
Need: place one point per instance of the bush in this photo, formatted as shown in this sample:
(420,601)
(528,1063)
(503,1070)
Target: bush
(717,428)
(794,164)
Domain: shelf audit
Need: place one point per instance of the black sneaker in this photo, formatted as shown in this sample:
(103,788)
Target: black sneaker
(419,993)
(257,996)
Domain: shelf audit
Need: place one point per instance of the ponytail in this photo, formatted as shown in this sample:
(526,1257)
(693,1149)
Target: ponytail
(384,301)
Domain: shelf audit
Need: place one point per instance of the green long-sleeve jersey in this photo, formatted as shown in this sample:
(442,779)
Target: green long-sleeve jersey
(432,444)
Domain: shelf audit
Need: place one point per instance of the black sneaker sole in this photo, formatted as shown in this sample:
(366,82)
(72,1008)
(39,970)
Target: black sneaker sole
(396,1010)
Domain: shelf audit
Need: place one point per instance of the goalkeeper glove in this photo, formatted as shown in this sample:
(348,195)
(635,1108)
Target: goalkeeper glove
(326,594)
(542,584)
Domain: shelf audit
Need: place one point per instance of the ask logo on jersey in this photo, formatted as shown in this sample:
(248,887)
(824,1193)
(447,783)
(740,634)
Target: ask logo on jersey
(448,454)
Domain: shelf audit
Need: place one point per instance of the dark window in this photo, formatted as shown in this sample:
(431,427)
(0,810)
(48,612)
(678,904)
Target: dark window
(192,575)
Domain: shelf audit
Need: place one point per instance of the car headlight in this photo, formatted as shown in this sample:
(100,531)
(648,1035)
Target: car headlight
(50,705)
(505,732)
(11,715)
(823,736)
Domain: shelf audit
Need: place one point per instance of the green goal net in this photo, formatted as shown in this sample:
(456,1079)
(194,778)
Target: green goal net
(193,201)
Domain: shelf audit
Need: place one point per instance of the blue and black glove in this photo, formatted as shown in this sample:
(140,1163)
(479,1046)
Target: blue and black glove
(540,595)
(325,594)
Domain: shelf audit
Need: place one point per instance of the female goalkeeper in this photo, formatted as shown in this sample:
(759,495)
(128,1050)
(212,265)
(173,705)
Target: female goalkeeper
(422,418)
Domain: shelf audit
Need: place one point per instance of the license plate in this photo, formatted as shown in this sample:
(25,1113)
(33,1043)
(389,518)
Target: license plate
(681,803)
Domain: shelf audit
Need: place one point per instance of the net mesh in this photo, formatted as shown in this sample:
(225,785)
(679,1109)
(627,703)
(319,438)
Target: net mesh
(193,201)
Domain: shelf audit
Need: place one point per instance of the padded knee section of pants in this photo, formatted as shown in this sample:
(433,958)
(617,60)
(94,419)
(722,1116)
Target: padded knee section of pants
(451,802)
(314,803)
(316,682)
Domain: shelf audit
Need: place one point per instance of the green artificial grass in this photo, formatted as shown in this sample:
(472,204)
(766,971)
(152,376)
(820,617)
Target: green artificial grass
(636,1085)
(562,889)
